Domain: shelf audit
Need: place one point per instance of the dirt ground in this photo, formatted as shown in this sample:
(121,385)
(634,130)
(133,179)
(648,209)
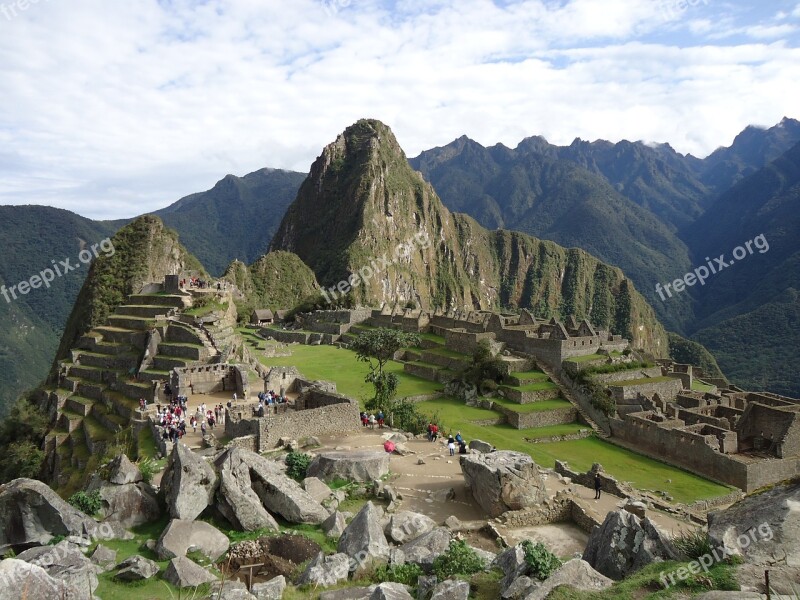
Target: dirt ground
(425,489)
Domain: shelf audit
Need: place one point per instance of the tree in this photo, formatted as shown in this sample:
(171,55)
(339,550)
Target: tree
(377,347)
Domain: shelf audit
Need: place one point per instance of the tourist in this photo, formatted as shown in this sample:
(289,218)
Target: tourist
(430,432)
(193,423)
(203,429)
(435,432)
(372,421)
(364,419)
(380,418)
(451,444)
(598,484)
(459,439)
(462,447)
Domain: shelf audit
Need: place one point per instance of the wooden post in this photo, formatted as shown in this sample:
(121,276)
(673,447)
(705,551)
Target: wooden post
(766,583)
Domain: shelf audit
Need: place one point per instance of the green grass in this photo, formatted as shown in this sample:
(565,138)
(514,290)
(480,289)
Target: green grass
(699,386)
(529,375)
(553,430)
(532,406)
(340,365)
(587,358)
(625,465)
(449,353)
(536,386)
(432,337)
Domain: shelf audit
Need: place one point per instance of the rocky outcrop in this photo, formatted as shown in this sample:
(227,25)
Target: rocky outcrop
(104,557)
(503,481)
(424,549)
(575,573)
(358,465)
(270,590)
(65,562)
(763,528)
(404,526)
(24,581)
(382,591)
(511,562)
(136,568)
(318,489)
(236,499)
(480,446)
(183,572)
(180,537)
(624,544)
(334,525)
(126,499)
(326,570)
(31,514)
(188,483)
(363,538)
(122,471)
(451,589)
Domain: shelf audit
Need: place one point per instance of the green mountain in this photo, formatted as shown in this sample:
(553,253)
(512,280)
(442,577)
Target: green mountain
(534,190)
(379,228)
(34,239)
(235,219)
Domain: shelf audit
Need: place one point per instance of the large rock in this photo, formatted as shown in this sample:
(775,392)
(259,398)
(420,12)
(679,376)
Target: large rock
(424,549)
(270,590)
(334,525)
(136,568)
(31,514)
(624,544)
(277,492)
(404,526)
(66,562)
(326,570)
(180,537)
(575,573)
(128,504)
(122,471)
(357,465)
(451,589)
(183,572)
(20,580)
(318,489)
(480,446)
(511,562)
(188,482)
(762,528)
(104,557)
(503,481)
(390,591)
(230,589)
(236,499)
(363,539)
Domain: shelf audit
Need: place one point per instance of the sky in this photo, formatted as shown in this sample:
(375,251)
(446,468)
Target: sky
(113,108)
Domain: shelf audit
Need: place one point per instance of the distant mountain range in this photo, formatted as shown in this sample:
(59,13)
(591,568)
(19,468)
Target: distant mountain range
(647,209)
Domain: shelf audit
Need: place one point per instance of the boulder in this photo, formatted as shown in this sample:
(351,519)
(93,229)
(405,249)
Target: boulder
(762,528)
(404,526)
(230,589)
(511,562)
(188,483)
(31,514)
(270,590)
(636,508)
(480,446)
(503,481)
(396,437)
(122,471)
(519,588)
(451,589)
(136,568)
(128,504)
(21,580)
(236,499)
(575,573)
(425,585)
(358,465)
(278,493)
(104,557)
(424,549)
(334,525)
(624,543)
(349,593)
(183,572)
(66,562)
(180,537)
(311,442)
(317,488)
(363,538)
(390,591)
(326,570)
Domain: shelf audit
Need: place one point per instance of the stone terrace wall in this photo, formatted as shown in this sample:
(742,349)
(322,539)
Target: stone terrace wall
(530,396)
(465,342)
(626,375)
(209,379)
(556,416)
(667,390)
(329,420)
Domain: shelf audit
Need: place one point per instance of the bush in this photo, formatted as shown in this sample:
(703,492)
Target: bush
(406,574)
(147,467)
(541,561)
(693,544)
(89,503)
(297,465)
(459,559)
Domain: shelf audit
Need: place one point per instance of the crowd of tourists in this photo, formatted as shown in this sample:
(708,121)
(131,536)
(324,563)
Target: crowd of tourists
(269,401)
(452,441)
(173,417)
(370,420)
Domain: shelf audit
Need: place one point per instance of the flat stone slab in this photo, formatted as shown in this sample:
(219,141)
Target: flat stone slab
(358,465)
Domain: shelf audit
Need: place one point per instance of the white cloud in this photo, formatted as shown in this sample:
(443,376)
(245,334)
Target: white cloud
(113,108)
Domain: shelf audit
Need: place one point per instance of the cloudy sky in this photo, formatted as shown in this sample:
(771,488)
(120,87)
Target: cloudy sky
(112,108)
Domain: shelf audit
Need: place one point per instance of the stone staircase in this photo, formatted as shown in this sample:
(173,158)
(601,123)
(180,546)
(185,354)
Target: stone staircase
(99,386)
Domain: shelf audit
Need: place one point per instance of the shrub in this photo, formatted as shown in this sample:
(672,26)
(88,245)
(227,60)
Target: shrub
(459,559)
(147,467)
(693,544)
(406,574)
(541,561)
(297,465)
(89,503)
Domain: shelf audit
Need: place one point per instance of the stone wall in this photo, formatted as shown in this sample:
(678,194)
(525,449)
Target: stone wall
(529,396)
(465,342)
(666,389)
(281,379)
(542,418)
(626,375)
(559,509)
(329,420)
(208,379)
(608,483)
